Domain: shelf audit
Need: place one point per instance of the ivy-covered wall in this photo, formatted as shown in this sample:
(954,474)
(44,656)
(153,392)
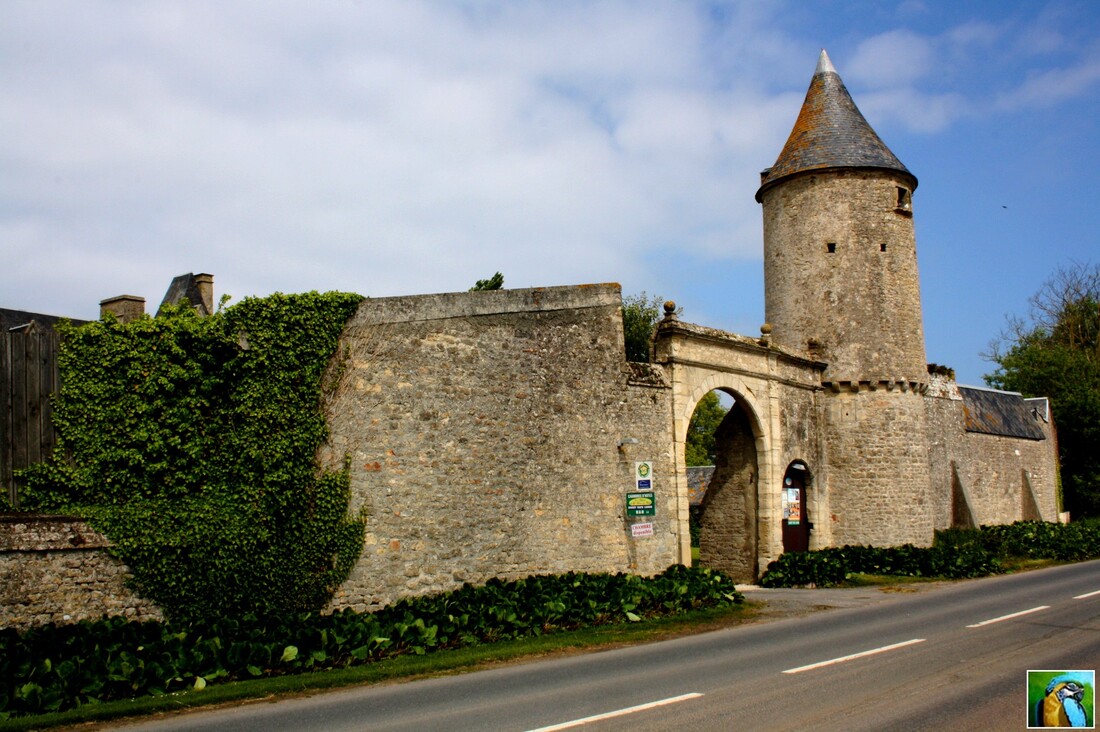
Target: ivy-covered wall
(309,451)
(191,442)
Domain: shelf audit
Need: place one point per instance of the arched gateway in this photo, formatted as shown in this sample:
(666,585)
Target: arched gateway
(770,427)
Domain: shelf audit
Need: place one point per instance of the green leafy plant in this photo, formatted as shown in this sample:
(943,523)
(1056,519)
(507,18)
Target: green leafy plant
(52,668)
(191,443)
(955,554)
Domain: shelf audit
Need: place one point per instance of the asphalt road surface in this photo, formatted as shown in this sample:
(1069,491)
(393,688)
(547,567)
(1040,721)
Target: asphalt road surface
(953,658)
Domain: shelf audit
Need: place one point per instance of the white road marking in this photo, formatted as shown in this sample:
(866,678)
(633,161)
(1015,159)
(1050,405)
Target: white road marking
(861,654)
(1009,617)
(1087,594)
(618,713)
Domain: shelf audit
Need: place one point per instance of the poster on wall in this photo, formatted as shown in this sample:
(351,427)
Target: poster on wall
(792,506)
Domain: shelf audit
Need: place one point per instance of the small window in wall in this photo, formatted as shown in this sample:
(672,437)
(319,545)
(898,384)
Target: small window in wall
(882,247)
(905,200)
(831,247)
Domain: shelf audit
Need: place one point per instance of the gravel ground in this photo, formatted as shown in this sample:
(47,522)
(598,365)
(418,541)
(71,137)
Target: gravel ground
(775,604)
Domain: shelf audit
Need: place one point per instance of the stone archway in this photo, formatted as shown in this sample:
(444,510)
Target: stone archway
(734,533)
(728,530)
(775,410)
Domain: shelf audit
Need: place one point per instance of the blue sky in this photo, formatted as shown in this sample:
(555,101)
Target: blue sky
(401,147)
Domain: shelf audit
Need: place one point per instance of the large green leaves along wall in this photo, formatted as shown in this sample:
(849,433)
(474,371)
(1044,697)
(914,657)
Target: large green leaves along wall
(191,443)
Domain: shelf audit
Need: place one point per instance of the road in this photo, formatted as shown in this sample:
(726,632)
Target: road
(952,658)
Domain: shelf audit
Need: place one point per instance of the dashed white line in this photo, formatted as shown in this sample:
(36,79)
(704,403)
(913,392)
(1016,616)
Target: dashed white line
(1009,617)
(1087,594)
(618,713)
(861,654)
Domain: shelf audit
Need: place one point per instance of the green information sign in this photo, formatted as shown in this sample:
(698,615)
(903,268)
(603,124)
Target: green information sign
(641,504)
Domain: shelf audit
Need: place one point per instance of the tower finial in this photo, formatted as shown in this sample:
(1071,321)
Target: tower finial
(824,65)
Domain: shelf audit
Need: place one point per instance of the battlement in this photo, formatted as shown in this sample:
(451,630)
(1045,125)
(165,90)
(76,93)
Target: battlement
(903,385)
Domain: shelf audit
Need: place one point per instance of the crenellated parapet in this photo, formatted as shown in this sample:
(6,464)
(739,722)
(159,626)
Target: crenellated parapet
(902,385)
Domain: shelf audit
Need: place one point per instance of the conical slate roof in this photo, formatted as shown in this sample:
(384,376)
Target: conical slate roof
(830,133)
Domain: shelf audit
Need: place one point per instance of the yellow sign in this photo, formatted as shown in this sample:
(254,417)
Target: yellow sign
(640,504)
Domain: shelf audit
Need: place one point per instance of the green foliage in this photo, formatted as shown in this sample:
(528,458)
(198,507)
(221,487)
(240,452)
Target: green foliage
(191,443)
(830,567)
(54,668)
(941,370)
(956,554)
(640,316)
(708,414)
(1056,353)
(493,283)
(1073,542)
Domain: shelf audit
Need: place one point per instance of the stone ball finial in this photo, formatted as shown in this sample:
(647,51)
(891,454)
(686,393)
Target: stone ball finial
(765,334)
(670,310)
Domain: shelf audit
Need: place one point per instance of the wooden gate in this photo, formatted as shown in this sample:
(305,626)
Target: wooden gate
(28,376)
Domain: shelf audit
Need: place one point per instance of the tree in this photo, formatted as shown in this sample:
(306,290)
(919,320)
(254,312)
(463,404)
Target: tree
(1055,352)
(708,414)
(641,313)
(493,283)
(640,316)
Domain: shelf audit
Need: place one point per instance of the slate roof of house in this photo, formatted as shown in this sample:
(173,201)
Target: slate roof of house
(15,318)
(1003,413)
(830,133)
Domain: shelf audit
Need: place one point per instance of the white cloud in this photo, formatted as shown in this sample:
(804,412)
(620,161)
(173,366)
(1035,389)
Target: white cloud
(914,110)
(895,58)
(403,146)
(1046,88)
(381,147)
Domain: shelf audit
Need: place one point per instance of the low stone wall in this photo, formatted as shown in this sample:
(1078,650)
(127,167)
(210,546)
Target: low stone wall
(56,569)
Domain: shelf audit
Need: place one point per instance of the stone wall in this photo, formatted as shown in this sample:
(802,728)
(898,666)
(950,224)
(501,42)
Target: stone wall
(55,569)
(495,434)
(987,479)
(879,484)
(484,430)
(728,532)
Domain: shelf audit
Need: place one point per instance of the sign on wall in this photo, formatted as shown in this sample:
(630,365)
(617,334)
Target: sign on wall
(643,476)
(641,504)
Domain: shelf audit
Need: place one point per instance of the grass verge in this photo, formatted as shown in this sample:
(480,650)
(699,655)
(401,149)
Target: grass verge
(404,668)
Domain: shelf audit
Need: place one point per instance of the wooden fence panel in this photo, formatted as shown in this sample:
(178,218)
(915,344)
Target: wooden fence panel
(28,366)
(7,485)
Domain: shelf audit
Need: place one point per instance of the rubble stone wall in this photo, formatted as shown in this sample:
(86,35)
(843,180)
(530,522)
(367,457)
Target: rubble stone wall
(56,569)
(494,434)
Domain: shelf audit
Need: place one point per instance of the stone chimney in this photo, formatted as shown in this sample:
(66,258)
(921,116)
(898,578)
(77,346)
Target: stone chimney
(126,308)
(196,289)
(204,283)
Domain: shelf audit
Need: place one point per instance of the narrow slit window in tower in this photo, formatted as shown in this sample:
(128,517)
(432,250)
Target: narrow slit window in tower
(831,247)
(882,247)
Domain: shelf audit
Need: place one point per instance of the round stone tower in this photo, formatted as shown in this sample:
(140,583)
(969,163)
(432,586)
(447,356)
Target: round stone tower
(840,261)
(841,286)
